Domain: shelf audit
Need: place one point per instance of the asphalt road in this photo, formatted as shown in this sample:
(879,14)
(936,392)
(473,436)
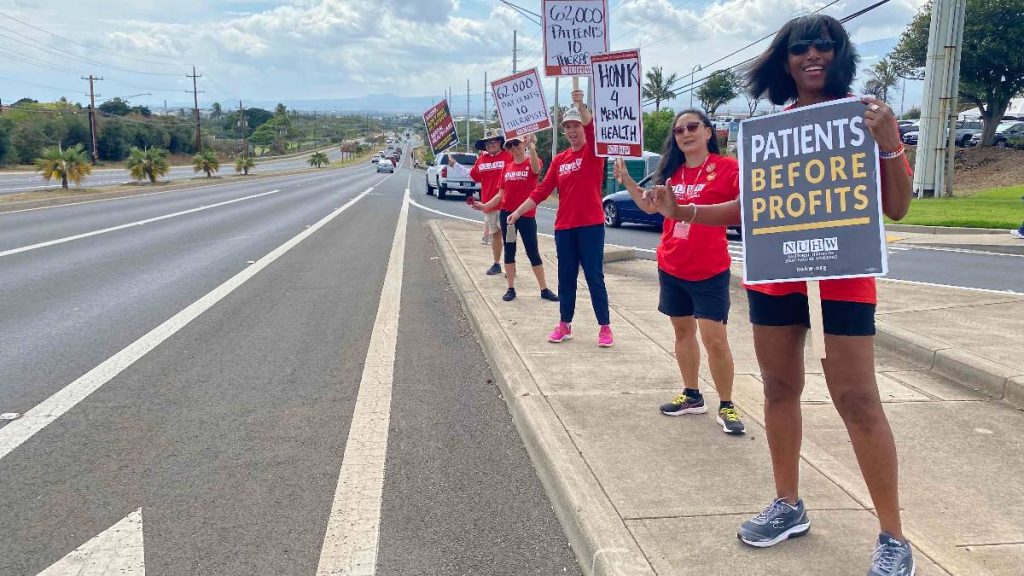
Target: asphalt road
(226,436)
(931,265)
(11,182)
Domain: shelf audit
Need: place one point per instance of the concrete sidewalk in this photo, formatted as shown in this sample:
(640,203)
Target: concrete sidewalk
(641,493)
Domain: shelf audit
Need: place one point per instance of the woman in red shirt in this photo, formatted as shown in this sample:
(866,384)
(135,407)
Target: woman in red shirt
(579,223)
(518,180)
(693,261)
(811,60)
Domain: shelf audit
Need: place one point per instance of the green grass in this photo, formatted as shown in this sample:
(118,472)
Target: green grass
(990,208)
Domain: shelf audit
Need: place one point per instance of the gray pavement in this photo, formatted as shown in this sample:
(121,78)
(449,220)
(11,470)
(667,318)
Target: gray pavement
(640,493)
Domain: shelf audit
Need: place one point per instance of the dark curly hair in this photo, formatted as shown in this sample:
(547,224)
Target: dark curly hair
(768,73)
(672,157)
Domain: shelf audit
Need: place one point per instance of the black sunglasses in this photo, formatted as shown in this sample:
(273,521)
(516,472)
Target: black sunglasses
(690,127)
(801,47)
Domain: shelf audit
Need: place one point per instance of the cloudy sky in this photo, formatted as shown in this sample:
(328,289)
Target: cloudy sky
(315,49)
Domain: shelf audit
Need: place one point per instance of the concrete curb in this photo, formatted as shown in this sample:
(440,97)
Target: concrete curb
(597,534)
(942,229)
(965,368)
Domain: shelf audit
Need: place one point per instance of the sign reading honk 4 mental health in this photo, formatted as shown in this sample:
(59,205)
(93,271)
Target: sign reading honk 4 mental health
(809,192)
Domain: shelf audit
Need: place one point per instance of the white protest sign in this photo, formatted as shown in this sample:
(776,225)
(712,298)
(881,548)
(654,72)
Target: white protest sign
(573,31)
(520,102)
(618,114)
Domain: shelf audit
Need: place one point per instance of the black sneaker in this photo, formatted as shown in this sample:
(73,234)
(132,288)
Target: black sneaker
(494,269)
(510,295)
(777,522)
(730,421)
(548,295)
(683,404)
(892,558)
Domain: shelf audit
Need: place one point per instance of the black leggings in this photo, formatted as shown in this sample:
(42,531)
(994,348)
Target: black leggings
(527,227)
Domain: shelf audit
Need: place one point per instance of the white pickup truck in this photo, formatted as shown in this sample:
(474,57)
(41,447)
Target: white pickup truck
(438,176)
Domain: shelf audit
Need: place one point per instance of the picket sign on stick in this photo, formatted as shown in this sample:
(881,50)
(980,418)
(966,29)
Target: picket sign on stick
(817,320)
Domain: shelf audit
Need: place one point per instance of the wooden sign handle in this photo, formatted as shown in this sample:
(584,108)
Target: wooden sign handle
(575,83)
(817,319)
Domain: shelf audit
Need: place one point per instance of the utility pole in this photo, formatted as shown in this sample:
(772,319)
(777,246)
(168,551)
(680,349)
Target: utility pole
(515,53)
(242,125)
(934,163)
(314,131)
(467,114)
(195,110)
(92,115)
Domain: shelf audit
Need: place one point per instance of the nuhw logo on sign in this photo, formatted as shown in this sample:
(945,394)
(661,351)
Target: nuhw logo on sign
(811,246)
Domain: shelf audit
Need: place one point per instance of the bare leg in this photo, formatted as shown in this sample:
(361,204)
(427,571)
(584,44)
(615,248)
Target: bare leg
(510,274)
(716,341)
(496,246)
(687,351)
(780,354)
(538,271)
(850,375)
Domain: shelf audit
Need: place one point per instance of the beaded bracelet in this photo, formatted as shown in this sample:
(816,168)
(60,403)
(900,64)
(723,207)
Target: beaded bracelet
(891,155)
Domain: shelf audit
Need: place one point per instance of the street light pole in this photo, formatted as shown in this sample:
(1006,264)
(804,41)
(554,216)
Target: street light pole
(695,69)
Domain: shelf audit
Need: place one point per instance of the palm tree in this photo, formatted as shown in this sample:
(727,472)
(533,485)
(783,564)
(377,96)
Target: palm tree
(658,87)
(206,161)
(71,164)
(318,160)
(216,111)
(150,163)
(243,164)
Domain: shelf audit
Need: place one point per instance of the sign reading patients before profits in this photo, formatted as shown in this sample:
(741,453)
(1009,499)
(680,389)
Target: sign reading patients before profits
(440,127)
(618,115)
(573,31)
(520,103)
(810,195)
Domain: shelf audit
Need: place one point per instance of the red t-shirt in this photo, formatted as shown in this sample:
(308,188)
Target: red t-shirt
(861,290)
(518,181)
(487,171)
(578,177)
(704,251)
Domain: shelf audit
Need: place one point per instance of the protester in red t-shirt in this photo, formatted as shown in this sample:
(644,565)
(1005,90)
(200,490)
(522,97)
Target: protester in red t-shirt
(517,182)
(579,222)
(811,60)
(693,261)
(487,171)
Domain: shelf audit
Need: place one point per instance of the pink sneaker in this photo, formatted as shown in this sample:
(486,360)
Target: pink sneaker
(604,337)
(561,333)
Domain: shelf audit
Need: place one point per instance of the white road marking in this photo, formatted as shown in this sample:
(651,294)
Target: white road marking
(128,225)
(934,285)
(350,544)
(960,250)
(18,431)
(116,550)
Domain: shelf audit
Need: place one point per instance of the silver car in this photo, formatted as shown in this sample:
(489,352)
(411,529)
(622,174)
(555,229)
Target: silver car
(385,165)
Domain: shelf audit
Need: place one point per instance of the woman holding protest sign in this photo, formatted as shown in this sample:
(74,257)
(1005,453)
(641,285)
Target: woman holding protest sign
(811,61)
(693,261)
(518,180)
(487,171)
(577,172)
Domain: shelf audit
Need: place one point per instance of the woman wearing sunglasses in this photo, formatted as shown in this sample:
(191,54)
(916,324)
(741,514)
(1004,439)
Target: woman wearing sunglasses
(518,180)
(811,61)
(693,261)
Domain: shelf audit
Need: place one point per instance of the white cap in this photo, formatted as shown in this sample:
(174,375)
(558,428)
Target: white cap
(572,115)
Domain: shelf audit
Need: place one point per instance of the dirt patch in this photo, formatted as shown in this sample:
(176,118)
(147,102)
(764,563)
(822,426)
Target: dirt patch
(980,168)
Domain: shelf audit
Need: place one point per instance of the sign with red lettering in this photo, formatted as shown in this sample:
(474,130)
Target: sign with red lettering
(574,30)
(441,132)
(520,102)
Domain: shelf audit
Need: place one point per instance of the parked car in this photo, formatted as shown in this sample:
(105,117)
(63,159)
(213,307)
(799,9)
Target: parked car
(619,209)
(385,165)
(908,126)
(437,176)
(1007,134)
(964,132)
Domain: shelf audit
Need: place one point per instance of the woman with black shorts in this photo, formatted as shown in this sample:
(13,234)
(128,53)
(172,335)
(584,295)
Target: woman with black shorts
(810,61)
(693,261)
(518,180)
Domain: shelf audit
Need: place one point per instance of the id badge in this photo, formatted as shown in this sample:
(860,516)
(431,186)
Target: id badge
(681,230)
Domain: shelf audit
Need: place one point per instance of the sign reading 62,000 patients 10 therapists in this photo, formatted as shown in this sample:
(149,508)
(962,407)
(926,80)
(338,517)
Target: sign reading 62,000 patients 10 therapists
(573,31)
(809,191)
(520,102)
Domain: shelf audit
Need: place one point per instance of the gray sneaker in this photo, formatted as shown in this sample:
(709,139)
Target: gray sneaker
(892,558)
(777,522)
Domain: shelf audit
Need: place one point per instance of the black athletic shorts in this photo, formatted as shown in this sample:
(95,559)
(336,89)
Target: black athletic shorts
(707,299)
(839,318)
